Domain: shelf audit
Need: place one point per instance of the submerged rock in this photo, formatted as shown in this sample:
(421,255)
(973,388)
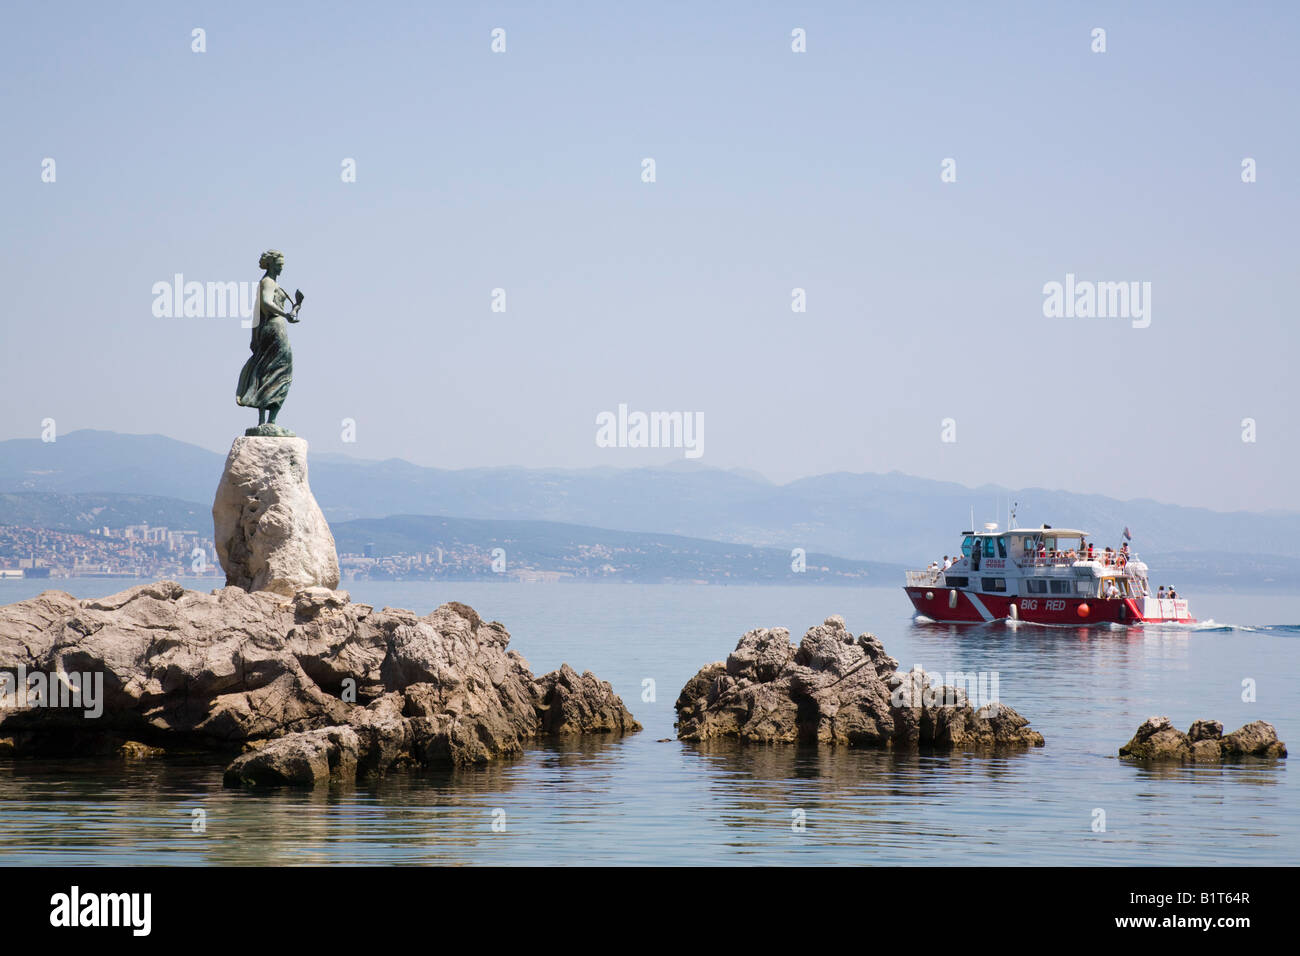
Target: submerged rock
(1204,742)
(314,686)
(134,750)
(835,689)
(301,759)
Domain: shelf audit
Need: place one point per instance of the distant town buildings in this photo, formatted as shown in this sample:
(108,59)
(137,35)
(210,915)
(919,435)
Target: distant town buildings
(153,552)
(141,550)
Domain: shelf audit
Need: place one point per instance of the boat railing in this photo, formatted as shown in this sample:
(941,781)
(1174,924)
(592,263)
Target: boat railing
(1065,559)
(923,579)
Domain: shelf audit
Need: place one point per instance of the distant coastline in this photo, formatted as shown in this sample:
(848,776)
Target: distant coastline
(397,521)
(438,548)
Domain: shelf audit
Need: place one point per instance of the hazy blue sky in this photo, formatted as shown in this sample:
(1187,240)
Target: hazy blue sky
(775,170)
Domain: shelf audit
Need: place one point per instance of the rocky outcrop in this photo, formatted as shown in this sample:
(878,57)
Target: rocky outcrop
(1204,742)
(270,533)
(835,689)
(315,687)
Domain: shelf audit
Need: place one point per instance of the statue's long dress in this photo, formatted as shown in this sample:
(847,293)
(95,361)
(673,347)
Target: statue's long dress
(265,378)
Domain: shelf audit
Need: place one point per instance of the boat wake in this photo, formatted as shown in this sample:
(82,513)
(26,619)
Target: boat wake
(1279,629)
(1208,627)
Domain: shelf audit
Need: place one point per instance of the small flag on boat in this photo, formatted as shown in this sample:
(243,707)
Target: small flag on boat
(1127,536)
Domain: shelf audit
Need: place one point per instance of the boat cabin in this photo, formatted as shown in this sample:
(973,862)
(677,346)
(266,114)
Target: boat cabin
(1025,543)
(1044,562)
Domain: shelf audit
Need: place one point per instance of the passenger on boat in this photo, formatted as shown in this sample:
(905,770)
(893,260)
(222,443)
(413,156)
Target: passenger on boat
(1160,594)
(1173,595)
(947,562)
(1091,555)
(1112,589)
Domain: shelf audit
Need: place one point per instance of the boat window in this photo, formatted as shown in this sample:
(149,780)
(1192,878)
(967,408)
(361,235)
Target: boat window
(966,545)
(1085,587)
(989,551)
(956,582)
(1035,586)
(1060,587)
(1002,547)
(994,584)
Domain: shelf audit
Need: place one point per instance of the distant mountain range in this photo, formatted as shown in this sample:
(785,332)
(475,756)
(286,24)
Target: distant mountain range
(892,518)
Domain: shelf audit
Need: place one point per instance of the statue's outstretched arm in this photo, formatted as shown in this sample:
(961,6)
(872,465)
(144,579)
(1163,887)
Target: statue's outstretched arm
(269,307)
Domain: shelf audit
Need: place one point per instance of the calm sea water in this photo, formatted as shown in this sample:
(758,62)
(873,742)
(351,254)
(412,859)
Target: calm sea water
(643,800)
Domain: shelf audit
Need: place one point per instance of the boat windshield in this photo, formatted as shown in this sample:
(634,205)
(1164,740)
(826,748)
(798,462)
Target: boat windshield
(990,546)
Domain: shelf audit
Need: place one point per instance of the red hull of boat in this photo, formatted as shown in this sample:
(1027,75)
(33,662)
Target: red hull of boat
(976,608)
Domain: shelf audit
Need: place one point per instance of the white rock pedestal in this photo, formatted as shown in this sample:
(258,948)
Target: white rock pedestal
(270,533)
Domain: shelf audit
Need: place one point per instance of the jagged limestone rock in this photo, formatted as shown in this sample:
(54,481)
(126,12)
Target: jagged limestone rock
(316,687)
(270,533)
(838,690)
(1204,742)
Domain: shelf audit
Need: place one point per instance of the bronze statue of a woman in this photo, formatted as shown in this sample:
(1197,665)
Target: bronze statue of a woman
(265,379)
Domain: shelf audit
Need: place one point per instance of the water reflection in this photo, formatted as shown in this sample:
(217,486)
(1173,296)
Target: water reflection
(1241,771)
